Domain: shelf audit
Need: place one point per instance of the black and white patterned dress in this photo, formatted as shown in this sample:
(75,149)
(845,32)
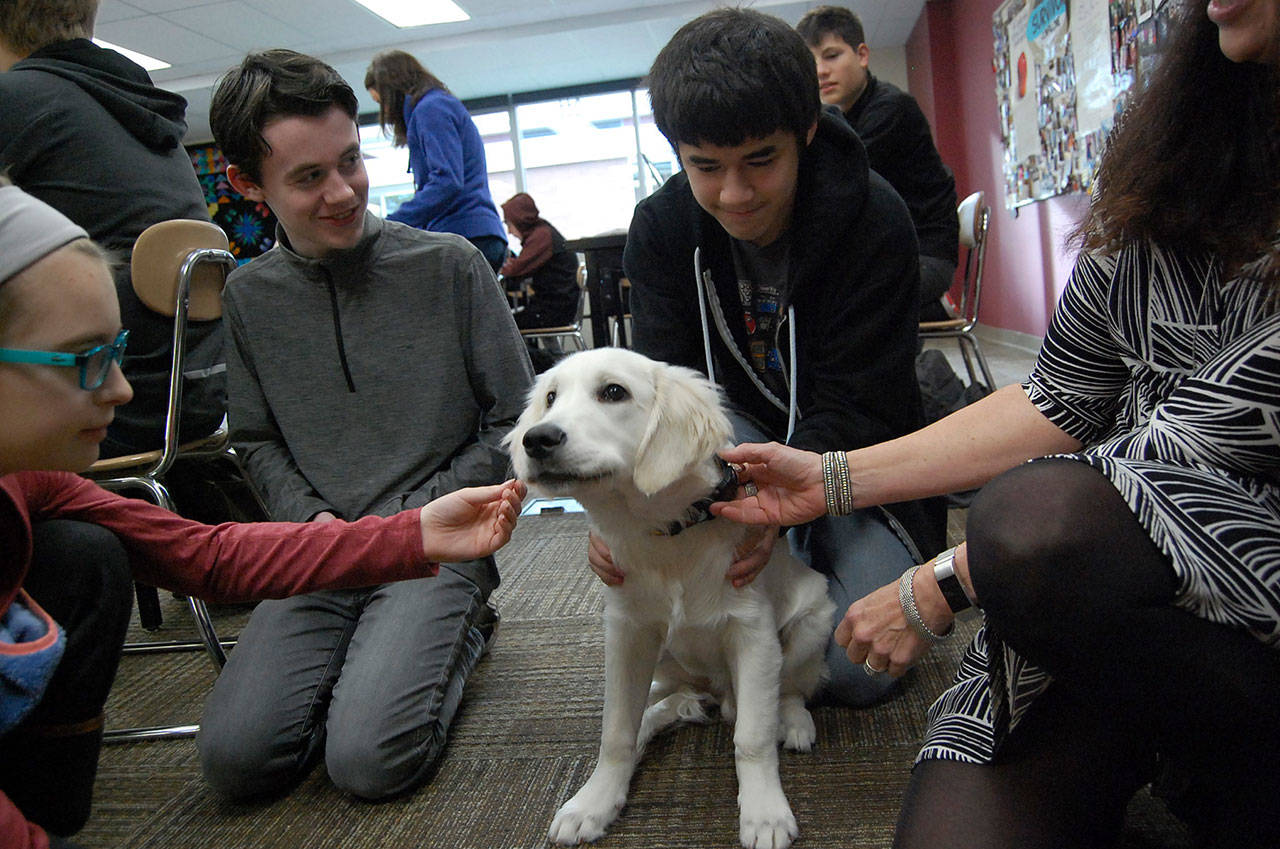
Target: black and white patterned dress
(1172,380)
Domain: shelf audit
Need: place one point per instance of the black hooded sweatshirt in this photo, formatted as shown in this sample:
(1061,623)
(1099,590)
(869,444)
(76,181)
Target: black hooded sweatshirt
(83,129)
(852,277)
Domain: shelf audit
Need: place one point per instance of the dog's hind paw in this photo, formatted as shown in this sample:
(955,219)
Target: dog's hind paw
(796,730)
(768,832)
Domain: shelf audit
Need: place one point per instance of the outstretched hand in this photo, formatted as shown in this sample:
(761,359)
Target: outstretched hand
(788,484)
(472,522)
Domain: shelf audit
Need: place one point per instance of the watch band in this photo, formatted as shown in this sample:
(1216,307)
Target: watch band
(944,573)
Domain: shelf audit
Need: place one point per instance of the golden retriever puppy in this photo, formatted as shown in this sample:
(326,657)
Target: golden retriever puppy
(635,442)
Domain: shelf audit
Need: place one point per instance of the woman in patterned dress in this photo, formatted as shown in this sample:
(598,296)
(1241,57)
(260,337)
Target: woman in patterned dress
(1129,576)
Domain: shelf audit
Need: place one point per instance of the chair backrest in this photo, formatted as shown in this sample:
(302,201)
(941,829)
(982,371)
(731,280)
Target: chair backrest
(974,215)
(159,255)
(179,268)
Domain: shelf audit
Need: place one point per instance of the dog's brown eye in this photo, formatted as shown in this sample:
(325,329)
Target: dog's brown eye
(614,393)
(551,398)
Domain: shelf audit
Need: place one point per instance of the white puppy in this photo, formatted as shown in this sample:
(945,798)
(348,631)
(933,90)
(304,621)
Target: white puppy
(635,442)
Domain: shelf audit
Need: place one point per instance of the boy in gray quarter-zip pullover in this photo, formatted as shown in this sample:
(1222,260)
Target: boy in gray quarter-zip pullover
(372,367)
(804,263)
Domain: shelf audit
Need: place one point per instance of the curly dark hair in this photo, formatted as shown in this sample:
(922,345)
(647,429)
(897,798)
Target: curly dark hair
(395,76)
(1194,161)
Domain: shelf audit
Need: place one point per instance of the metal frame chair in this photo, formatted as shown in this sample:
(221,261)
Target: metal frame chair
(178,269)
(974,215)
(565,331)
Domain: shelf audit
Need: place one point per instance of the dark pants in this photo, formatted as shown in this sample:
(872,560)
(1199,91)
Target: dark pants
(80,575)
(1141,689)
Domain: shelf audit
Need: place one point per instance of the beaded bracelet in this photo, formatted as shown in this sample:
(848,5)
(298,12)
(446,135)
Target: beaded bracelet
(907,598)
(836,484)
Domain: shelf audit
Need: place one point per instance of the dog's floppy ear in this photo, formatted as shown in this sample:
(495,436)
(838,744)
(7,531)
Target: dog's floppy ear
(686,425)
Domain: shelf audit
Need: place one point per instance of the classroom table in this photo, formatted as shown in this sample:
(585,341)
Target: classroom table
(603,258)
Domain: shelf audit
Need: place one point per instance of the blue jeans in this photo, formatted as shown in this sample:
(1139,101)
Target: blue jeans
(858,553)
(370,678)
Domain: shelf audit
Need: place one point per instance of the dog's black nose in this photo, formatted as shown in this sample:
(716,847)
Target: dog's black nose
(541,440)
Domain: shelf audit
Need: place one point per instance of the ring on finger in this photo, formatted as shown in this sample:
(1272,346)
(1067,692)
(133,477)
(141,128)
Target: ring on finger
(750,488)
(871,670)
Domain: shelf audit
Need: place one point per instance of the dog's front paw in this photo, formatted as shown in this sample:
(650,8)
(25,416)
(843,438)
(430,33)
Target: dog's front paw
(796,730)
(584,818)
(773,828)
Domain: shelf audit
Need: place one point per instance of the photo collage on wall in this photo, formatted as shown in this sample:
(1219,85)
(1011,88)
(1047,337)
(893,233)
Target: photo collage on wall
(1064,70)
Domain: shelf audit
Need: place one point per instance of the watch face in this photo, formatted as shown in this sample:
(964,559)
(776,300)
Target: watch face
(954,593)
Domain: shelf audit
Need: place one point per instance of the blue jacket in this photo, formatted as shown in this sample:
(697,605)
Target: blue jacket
(451,179)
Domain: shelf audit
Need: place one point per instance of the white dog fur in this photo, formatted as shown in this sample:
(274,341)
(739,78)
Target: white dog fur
(633,440)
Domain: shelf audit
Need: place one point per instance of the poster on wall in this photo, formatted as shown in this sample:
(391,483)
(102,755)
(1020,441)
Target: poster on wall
(1091,49)
(1063,72)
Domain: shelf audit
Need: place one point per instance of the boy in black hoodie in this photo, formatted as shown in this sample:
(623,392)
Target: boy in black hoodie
(83,129)
(780,265)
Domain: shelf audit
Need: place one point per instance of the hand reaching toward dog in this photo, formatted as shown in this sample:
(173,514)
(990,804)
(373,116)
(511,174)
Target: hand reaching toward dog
(601,561)
(752,554)
(788,485)
(472,522)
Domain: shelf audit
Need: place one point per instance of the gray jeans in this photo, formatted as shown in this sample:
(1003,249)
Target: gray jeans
(858,553)
(371,678)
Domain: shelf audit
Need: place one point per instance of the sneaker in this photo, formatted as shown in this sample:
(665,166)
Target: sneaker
(486,622)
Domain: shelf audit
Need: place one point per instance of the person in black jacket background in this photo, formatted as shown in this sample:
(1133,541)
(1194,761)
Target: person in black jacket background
(898,141)
(805,262)
(83,129)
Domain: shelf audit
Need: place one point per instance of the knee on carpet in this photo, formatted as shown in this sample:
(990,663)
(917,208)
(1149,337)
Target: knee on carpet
(373,771)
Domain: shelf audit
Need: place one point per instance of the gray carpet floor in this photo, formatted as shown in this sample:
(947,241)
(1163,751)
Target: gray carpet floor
(523,742)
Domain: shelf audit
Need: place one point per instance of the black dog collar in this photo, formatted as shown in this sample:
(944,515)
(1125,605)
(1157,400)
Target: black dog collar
(700,510)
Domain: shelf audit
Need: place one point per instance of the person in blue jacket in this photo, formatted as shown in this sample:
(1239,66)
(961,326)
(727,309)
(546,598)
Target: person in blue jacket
(446,154)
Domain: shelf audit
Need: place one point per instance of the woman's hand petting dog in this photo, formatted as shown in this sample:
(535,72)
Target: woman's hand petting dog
(472,522)
(751,557)
(788,485)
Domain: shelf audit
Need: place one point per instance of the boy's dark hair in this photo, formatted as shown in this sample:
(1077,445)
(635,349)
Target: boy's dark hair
(733,75)
(397,76)
(269,85)
(820,20)
(28,25)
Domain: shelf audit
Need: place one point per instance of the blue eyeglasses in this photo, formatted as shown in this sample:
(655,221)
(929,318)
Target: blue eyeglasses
(94,364)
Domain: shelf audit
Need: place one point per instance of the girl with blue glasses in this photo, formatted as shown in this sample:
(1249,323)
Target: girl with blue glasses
(69,550)
(93,363)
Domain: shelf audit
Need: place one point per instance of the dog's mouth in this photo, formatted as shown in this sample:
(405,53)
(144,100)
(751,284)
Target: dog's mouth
(565,479)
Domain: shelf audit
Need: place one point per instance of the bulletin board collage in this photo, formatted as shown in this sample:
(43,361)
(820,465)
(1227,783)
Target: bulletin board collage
(1064,71)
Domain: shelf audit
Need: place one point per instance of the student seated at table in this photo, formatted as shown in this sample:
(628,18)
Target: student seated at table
(550,272)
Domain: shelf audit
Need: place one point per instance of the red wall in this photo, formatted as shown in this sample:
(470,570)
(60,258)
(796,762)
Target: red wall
(949,68)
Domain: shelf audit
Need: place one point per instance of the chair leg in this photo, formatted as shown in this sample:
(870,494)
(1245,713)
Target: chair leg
(208,638)
(148,606)
(969,343)
(204,624)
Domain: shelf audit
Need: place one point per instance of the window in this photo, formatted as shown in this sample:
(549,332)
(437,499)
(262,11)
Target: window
(586,159)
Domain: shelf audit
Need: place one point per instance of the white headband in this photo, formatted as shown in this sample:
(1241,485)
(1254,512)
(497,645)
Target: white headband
(30,230)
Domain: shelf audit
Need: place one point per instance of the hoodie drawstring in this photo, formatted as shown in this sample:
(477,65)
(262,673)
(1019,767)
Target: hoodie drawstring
(706,295)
